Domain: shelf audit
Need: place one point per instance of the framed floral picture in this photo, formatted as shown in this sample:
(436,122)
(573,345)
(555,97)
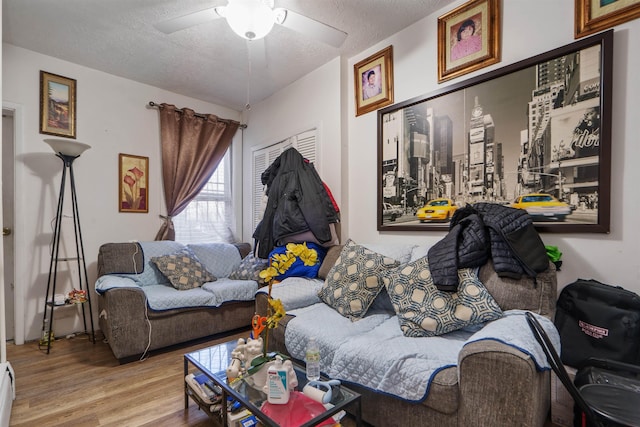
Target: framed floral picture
(57,105)
(592,16)
(374,81)
(133,183)
(468,38)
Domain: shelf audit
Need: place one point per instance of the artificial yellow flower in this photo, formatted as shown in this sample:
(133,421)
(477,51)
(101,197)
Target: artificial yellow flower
(309,257)
(278,313)
(296,248)
(280,263)
(268,274)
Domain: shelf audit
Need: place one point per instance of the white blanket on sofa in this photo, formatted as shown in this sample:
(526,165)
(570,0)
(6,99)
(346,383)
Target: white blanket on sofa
(374,353)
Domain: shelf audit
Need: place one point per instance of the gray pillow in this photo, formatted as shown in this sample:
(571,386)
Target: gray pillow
(249,269)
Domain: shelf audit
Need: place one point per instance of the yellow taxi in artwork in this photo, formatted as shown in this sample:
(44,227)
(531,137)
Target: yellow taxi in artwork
(437,210)
(542,206)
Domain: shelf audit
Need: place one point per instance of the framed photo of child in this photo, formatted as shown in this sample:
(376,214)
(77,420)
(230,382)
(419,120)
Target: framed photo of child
(592,16)
(468,38)
(373,84)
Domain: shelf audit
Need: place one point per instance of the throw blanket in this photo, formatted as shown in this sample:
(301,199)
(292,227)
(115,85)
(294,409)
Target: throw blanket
(374,353)
(295,292)
(166,297)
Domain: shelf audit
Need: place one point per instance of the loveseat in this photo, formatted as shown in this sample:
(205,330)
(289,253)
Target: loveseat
(496,375)
(141,310)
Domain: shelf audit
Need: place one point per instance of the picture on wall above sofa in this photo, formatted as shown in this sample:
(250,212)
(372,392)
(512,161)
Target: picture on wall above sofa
(534,135)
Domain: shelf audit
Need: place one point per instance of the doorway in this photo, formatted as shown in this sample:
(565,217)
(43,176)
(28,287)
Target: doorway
(8,186)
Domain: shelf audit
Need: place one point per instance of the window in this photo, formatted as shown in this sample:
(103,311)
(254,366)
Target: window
(209,217)
(304,142)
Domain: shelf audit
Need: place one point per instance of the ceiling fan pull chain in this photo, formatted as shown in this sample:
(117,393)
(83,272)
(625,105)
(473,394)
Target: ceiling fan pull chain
(248,105)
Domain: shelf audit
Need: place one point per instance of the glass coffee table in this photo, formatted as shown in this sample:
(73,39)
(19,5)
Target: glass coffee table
(213,362)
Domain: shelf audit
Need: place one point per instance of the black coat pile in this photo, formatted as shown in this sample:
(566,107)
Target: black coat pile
(484,230)
(297,202)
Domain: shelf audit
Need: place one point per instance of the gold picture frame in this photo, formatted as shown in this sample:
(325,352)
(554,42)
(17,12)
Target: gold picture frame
(373,78)
(592,16)
(468,38)
(57,105)
(133,183)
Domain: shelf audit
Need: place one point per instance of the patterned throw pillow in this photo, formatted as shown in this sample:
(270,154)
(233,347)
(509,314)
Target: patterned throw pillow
(249,269)
(183,269)
(425,311)
(352,283)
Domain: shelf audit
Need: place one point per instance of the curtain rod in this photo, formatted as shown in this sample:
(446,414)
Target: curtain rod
(202,116)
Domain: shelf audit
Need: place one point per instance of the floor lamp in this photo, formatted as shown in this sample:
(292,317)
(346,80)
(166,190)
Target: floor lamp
(67,151)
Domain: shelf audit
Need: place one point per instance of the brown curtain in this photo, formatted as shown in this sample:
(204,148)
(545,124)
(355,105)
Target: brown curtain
(192,147)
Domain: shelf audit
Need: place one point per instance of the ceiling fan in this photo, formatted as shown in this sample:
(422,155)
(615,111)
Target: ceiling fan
(254,19)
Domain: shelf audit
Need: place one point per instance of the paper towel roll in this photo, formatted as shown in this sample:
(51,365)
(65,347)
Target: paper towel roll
(314,393)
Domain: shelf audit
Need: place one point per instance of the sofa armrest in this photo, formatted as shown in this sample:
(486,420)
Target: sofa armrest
(123,257)
(501,386)
(122,318)
(108,281)
(276,335)
(538,295)
(295,292)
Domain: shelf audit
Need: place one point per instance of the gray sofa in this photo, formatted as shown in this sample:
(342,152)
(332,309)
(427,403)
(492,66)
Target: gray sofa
(129,285)
(493,384)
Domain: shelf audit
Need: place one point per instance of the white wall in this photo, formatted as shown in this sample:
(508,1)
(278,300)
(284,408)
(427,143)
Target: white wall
(113,118)
(311,102)
(529,28)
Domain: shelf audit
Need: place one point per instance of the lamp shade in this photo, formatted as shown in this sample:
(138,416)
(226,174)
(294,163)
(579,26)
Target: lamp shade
(250,19)
(67,147)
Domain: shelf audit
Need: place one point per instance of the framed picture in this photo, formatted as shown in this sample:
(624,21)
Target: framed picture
(592,16)
(57,105)
(374,81)
(534,135)
(468,38)
(133,183)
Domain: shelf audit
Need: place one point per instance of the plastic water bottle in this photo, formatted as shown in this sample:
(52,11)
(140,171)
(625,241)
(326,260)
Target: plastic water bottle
(313,360)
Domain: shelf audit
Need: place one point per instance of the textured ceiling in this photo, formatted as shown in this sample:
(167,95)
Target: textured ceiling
(208,61)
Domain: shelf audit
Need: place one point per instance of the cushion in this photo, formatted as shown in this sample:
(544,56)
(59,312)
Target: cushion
(425,311)
(352,283)
(218,258)
(249,269)
(150,274)
(329,261)
(183,269)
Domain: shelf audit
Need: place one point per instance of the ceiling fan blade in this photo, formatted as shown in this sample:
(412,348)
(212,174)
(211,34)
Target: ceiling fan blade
(305,25)
(187,21)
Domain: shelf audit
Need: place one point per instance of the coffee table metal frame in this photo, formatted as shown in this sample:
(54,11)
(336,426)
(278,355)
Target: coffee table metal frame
(213,361)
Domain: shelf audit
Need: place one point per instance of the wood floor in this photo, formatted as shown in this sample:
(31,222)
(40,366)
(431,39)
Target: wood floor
(82,384)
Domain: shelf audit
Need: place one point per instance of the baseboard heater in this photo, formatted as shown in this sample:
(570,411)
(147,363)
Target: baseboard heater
(7,392)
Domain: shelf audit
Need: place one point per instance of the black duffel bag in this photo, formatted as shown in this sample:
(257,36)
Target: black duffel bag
(598,320)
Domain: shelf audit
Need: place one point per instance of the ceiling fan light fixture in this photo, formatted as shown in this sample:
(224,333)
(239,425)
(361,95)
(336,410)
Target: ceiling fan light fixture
(250,19)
